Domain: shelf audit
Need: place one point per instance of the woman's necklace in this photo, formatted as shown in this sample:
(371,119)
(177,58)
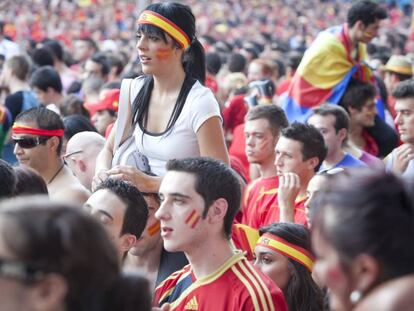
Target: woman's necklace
(57,173)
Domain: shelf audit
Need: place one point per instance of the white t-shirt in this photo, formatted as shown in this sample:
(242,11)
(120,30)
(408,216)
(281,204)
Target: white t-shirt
(181,141)
(389,162)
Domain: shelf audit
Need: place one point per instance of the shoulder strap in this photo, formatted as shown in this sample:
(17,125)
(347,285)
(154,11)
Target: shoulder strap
(124,111)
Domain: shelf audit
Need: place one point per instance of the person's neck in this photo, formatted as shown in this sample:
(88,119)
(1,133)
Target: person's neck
(210,256)
(51,170)
(334,158)
(304,181)
(268,168)
(148,262)
(16,85)
(352,37)
(169,82)
(355,133)
(56,99)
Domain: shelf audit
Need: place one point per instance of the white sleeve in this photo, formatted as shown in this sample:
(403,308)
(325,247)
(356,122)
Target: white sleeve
(203,106)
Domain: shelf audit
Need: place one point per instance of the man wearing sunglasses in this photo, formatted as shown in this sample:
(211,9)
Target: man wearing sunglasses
(37,134)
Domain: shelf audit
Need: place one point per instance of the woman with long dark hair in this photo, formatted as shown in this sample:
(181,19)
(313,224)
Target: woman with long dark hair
(54,257)
(363,235)
(172,114)
(283,252)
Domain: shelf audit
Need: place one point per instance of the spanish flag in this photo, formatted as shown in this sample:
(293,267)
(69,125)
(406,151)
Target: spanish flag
(244,238)
(324,73)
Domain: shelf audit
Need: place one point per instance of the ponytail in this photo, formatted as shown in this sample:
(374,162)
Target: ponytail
(194,61)
(129,292)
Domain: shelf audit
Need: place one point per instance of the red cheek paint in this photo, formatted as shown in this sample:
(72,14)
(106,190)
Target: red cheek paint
(192,219)
(154,228)
(163,53)
(335,275)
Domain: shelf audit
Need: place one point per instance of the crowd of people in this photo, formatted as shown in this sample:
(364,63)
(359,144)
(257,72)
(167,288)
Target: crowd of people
(232,155)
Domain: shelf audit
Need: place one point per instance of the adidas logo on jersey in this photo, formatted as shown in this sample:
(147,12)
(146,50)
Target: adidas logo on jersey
(192,304)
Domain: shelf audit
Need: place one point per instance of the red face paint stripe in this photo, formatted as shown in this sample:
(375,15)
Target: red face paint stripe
(195,222)
(154,228)
(190,216)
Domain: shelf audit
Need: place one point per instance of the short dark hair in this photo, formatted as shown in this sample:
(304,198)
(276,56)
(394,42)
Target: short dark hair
(75,124)
(8,180)
(115,61)
(236,62)
(301,292)
(45,119)
(136,213)
(102,60)
(340,114)
(213,63)
(272,113)
(45,77)
(356,95)
(19,66)
(313,144)
(43,57)
(55,47)
(29,182)
(73,105)
(370,212)
(365,11)
(214,180)
(404,89)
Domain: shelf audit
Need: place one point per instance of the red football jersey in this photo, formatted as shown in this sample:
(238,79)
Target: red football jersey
(260,206)
(236,285)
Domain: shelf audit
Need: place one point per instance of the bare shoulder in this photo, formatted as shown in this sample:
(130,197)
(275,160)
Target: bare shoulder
(75,194)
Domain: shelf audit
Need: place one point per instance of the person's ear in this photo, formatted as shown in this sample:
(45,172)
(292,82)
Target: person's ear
(81,164)
(217,211)
(127,242)
(365,272)
(312,163)
(49,293)
(53,143)
(343,133)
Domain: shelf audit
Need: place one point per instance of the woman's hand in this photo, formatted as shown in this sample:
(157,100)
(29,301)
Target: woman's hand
(142,181)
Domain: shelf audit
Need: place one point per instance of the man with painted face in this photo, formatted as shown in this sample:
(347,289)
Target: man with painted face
(121,208)
(199,199)
(148,254)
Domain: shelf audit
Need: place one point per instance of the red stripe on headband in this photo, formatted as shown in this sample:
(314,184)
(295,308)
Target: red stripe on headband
(300,249)
(21,129)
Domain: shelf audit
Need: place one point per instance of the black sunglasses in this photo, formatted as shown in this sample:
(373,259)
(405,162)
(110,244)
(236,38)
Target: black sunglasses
(29,142)
(20,271)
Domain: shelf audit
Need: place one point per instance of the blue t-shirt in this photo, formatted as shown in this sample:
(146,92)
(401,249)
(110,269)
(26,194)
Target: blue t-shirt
(347,161)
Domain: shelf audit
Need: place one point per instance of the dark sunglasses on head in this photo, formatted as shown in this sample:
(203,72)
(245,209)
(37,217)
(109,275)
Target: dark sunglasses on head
(29,142)
(20,271)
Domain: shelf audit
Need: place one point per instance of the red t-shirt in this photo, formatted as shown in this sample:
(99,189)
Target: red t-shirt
(235,286)
(233,112)
(260,206)
(238,146)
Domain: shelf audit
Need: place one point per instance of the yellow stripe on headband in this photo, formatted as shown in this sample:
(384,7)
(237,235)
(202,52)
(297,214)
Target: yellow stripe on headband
(292,251)
(152,18)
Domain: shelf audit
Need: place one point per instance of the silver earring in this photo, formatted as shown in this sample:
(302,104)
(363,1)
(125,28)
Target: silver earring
(355,296)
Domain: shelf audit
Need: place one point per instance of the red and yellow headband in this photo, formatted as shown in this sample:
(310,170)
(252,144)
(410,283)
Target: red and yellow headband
(22,129)
(152,18)
(287,249)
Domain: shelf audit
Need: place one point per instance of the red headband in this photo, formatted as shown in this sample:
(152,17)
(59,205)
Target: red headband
(22,129)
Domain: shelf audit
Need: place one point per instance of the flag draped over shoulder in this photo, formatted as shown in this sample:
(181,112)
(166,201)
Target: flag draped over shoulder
(324,73)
